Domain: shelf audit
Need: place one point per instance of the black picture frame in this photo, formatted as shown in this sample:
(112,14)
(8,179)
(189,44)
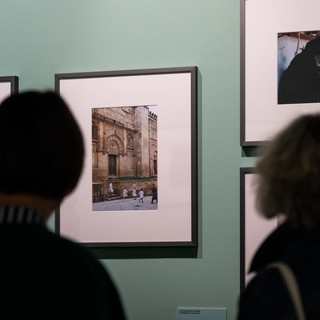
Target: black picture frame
(262,23)
(176,91)
(8,85)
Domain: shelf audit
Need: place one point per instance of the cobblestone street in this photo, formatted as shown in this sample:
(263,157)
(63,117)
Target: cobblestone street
(125,205)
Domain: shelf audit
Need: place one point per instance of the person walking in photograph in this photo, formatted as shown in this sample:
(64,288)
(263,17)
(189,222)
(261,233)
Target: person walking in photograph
(154,194)
(141,194)
(125,193)
(134,193)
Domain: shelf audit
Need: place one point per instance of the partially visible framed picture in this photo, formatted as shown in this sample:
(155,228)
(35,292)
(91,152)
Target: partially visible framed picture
(253,227)
(8,86)
(139,183)
(280,65)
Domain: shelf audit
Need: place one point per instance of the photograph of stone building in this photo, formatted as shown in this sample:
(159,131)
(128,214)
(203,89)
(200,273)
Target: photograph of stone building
(124,158)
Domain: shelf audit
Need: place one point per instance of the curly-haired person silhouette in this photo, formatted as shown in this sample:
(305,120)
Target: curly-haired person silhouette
(288,186)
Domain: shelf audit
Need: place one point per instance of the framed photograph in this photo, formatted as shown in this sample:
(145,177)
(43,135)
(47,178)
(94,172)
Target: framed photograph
(253,227)
(139,183)
(8,86)
(280,65)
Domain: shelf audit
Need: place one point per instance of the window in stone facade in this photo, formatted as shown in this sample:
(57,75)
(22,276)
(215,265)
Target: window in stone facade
(155,167)
(94,131)
(129,140)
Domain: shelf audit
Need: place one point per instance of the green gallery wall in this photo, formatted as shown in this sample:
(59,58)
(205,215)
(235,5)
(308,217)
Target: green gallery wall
(40,38)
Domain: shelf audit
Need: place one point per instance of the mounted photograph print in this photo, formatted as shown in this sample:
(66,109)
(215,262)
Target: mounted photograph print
(138,187)
(280,66)
(127,177)
(254,228)
(8,86)
(299,67)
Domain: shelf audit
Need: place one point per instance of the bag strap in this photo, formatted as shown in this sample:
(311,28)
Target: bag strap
(292,286)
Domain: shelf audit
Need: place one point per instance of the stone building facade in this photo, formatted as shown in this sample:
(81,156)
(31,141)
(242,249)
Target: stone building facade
(124,144)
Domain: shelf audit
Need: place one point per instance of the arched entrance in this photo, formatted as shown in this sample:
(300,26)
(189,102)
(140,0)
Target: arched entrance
(114,148)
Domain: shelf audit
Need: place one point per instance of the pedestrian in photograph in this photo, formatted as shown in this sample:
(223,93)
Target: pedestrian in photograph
(110,188)
(154,194)
(43,275)
(134,193)
(288,187)
(125,193)
(141,195)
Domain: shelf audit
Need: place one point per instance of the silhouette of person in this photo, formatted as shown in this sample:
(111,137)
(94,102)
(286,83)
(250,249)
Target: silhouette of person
(154,191)
(42,275)
(288,186)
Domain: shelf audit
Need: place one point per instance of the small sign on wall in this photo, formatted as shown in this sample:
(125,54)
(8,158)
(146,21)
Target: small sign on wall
(201,314)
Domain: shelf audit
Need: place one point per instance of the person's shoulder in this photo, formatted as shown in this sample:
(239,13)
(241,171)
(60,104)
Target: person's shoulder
(71,253)
(73,260)
(67,244)
(264,296)
(56,268)
(266,279)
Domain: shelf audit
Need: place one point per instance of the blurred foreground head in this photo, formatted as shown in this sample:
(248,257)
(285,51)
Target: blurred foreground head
(289,174)
(41,146)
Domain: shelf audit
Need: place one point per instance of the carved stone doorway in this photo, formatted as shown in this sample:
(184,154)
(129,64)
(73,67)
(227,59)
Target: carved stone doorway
(112,165)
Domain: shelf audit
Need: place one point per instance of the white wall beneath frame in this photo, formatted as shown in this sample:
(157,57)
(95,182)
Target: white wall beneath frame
(41,38)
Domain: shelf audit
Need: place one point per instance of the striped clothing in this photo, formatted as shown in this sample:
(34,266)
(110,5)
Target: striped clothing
(19,215)
(43,276)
